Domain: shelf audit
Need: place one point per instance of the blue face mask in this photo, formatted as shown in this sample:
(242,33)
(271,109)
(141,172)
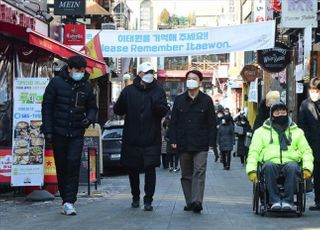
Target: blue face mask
(77,76)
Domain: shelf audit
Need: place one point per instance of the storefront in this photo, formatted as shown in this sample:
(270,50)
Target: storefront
(25,52)
(173,82)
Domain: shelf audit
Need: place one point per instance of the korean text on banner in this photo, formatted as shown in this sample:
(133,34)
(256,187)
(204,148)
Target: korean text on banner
(184,42)
(28,141)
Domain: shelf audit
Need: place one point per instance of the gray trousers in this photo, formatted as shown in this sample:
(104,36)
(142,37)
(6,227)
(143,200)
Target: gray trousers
(290,172)
(193,173)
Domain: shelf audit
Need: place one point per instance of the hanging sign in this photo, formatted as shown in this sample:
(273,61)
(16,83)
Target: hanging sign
(28,141)
(74,34)
(299,14)
(276,59)
(70,7)
(250,73)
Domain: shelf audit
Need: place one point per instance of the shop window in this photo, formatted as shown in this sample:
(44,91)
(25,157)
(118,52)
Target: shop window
(176,63)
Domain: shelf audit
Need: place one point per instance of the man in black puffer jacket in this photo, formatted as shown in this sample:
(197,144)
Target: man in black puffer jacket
(144,104)
(68,108)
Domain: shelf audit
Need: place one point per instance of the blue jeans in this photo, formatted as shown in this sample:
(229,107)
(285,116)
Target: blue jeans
(290,171)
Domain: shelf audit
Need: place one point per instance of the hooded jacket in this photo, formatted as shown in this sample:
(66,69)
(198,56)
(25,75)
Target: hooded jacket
(66,103)
(265,147)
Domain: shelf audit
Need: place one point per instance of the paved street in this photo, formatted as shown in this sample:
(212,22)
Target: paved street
(227,205)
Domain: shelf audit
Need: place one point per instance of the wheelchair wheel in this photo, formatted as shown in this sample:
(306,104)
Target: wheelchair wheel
(301,198)
(255,201)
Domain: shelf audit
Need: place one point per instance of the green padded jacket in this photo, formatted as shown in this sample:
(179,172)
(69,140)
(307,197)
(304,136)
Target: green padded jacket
(262,149)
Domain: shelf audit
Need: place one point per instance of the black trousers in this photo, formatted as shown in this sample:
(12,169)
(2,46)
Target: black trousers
(226,158)
(67,156)
(149,184)
(173,160)
(316,181)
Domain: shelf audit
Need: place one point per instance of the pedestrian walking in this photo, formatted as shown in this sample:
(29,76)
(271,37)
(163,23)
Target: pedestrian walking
(68,107)
(219,116)
(309,121)
(192,131)
(172,154)
(242,127)
(226,140)
(144,105)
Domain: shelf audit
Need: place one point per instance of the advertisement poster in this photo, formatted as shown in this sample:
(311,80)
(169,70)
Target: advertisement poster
(253,91)
(28,142)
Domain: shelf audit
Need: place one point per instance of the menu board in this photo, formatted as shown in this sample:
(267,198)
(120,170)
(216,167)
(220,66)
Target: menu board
(28,141)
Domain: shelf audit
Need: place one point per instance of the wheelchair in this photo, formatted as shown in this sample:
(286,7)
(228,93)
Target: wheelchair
(261,203)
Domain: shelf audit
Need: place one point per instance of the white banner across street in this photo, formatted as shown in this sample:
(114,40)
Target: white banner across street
(184,42)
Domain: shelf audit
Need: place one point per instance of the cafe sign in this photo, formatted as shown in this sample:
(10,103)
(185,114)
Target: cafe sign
(69,7)
(250,73)
(276,59)
(74,34)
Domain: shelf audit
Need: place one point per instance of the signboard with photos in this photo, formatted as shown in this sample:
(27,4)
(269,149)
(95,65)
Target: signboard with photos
(28,141)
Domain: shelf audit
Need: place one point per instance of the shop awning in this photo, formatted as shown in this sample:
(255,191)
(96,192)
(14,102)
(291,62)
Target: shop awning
(62,50)
(94,8)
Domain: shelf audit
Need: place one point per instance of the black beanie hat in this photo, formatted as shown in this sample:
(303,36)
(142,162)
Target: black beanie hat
(277,105)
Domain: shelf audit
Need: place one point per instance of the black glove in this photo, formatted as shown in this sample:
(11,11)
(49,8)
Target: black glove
(86,122)
(49,138)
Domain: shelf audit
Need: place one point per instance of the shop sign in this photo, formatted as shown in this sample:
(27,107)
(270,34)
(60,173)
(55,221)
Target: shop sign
(299,14)
(262,10)
(180,74)
(69,7)
(27,140)
(250,73)
(74,34)
(12,15)
(5,165)
(276,59)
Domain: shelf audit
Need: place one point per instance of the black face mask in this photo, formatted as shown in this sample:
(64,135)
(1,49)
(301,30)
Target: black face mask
(281,120)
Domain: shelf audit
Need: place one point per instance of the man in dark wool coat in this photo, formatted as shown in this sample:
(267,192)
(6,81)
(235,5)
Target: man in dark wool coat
(144,104)
(309,121)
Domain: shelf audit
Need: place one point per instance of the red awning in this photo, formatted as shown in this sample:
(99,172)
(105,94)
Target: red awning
(62,50)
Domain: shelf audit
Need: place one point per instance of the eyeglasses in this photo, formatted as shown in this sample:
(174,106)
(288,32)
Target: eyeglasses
(278,113)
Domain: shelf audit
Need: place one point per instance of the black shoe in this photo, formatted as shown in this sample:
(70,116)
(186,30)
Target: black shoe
(197,207)
(315,207)
(216,159)
(188,207)
(135,204)
(228,168)
(225,168)
(148,207)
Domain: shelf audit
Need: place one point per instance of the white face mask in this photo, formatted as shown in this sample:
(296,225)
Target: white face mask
(147,78)
(192,84)
(314,96)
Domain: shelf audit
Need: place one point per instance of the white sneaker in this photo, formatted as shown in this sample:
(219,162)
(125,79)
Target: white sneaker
(287,206)
(68,209)
(276,206)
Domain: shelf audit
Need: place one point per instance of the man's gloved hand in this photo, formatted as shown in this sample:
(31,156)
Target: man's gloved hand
(306,174)
(48,138)
(253,177)
(86,122)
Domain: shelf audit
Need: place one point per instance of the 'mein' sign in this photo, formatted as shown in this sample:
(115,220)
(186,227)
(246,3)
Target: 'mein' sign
(69,7)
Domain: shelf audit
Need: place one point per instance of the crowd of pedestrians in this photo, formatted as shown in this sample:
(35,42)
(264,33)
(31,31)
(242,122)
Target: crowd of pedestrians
(183,134)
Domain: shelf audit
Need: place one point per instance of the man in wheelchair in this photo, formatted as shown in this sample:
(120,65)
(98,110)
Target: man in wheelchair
(281,147)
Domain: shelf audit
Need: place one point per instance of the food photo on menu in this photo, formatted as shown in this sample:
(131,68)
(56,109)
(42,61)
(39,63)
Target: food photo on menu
(28,143)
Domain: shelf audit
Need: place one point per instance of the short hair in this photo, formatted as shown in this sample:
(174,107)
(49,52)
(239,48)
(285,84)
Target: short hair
(77,62)
(272,96)
(196,72)
(314,83)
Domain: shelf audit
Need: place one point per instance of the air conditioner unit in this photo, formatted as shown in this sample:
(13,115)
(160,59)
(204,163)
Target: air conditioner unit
(108,26)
